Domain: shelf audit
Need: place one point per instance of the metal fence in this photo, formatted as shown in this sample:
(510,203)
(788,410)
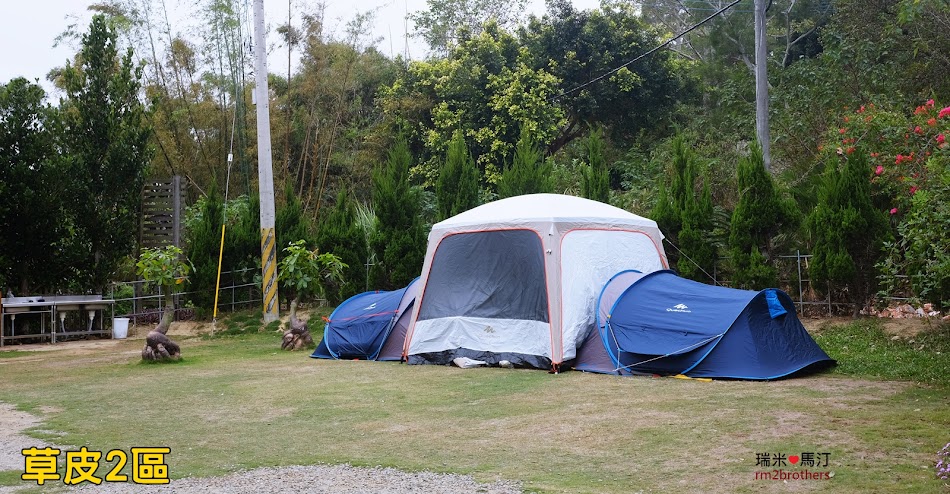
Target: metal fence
(794,280)
(143,302)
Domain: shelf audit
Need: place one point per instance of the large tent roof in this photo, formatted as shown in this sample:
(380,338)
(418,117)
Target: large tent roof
(553,208)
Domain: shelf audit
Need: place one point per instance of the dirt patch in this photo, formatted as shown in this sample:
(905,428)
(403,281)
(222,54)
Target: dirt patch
(12,440)
(903,327)
(909,328)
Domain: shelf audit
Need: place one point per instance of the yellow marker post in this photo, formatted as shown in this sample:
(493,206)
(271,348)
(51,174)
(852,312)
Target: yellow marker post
(217,284)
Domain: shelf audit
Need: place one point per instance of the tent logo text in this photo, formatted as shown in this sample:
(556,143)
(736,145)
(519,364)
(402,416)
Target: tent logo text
(679,308)
(370,307)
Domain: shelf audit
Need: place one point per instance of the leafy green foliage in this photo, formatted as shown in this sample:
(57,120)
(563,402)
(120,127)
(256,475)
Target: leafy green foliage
(447,22)
(203,242)
(576,45)
(457,188)
(399,239)
(340,233)
(761,213)
(308,272)
(107,147)
(487,89)
(289,220)
(923,249)
(165,266)
(847,230)
(33,201)
(595,178)
(529,173)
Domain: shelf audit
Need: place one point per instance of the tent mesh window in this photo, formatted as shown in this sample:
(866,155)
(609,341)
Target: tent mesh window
(492,274)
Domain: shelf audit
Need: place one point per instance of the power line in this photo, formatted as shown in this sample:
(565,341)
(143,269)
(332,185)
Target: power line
(655,49)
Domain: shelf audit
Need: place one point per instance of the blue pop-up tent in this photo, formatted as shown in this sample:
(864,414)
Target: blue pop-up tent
(659,323)
(370,326)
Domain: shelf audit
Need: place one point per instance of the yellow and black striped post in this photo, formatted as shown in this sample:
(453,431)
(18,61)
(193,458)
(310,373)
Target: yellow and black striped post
(269,265)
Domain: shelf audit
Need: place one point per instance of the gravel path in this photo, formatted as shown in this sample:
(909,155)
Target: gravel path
(319,479)
(311,479)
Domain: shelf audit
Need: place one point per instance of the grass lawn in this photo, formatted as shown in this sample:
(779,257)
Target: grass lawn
(237,402)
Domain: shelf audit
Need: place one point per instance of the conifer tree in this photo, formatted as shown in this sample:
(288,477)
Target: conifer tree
(400,239)
(202,249)
(687,221)
(528,173)
(457,188)
(341,235)
(290,222)
(760,214)
(847,230)
(699,251)
(595,178)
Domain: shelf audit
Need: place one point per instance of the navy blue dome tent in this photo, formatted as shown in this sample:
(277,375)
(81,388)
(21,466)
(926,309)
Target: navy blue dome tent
(659,323)
(370,326)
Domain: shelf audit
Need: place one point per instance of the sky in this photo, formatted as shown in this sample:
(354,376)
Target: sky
(28,29)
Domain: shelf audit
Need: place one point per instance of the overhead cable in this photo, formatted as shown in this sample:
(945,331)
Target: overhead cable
(659,47)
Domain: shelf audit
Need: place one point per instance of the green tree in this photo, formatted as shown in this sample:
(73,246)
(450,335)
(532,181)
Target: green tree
(447,22)
(486,89)
(399,239)
(167,268)
(457,188)
(306,272)
(341,234)
(847,231)
(528,173)
(761,213)
(574,46)
(595,178)
(32,193)
(106,144)
(685,219)
(695,238)
(203,243)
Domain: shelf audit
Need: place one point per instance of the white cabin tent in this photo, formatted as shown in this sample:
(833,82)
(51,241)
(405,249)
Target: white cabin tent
(518,279)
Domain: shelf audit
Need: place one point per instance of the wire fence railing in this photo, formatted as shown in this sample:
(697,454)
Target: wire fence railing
(794,279)
(144,302)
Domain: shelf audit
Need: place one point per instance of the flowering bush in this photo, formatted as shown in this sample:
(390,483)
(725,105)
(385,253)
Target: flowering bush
(898,147)
(909,171)
(943,463)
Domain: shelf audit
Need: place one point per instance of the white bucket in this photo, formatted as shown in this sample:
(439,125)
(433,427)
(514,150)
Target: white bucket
(120,327)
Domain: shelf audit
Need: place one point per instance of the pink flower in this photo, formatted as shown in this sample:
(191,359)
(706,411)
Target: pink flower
(918,130)
(913,190)
(944,112)
(941,139)
(932,122)
(849,150)
(930,102)
(842,131)
(893,210)
(919,110)
(879,170)
(899,159)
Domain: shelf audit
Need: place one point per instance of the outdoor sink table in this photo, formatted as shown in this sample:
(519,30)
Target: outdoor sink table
(55,308)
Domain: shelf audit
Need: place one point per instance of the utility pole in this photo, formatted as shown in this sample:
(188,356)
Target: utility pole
(265,170)
(762,83)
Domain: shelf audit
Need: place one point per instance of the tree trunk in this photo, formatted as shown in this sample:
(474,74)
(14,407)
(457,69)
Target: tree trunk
(298,336)
(159,347)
